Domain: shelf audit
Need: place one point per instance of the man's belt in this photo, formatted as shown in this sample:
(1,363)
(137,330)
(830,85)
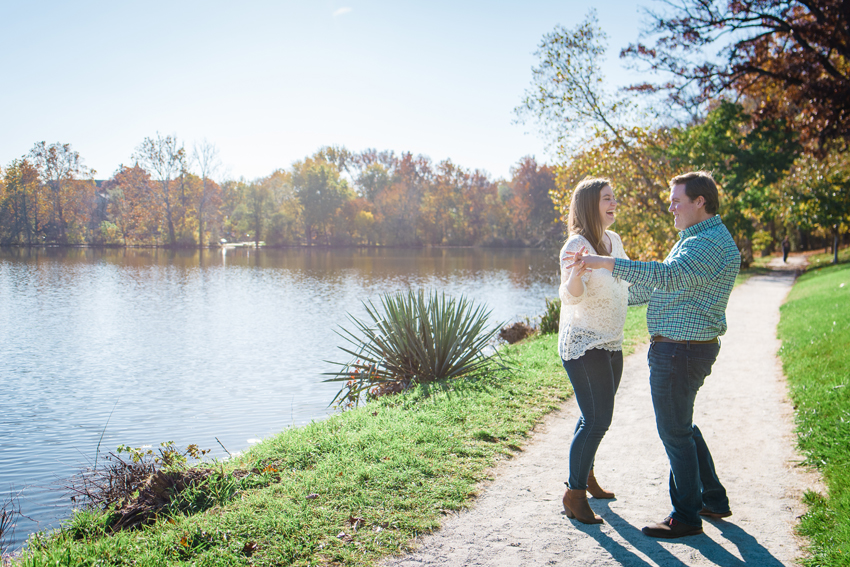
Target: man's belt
(661,339)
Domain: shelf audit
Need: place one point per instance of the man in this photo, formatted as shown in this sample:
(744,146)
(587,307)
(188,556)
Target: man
(687,295)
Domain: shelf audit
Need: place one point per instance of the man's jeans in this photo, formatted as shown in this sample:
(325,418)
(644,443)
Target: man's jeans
(676,373)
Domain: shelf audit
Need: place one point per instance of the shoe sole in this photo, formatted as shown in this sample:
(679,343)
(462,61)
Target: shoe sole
(664,534)
(715,515)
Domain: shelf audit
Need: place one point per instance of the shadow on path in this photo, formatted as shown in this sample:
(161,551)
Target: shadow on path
(752,553)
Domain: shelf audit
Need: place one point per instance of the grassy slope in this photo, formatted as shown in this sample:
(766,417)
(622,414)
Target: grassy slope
(815,333)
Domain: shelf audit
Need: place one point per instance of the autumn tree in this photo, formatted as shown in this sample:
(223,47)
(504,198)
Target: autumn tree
(284,208)
(595,130)
(205,157)
(789,55)
(400,204)
(164,157)
(256,202)
(568,97)
(530,204)
(21,201)
(819,190)
(70,188)
(132,204)
(745,158)
(321,192)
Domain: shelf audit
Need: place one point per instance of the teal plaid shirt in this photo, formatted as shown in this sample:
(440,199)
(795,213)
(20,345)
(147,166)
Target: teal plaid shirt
(689,290)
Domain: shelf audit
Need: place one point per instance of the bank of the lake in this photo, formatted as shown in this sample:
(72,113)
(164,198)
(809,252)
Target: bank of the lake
(355,487)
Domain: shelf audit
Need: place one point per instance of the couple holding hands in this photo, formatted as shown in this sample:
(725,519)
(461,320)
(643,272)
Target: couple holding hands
(687,295)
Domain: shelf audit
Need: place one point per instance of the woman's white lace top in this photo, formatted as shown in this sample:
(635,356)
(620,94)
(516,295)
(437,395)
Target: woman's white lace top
(595,319)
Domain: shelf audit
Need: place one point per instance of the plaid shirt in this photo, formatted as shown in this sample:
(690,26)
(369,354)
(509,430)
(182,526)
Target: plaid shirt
(688,292)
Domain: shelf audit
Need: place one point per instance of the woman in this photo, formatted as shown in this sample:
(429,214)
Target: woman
(590,338)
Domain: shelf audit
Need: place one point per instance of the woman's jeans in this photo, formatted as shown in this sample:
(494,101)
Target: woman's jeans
(595,377)
(676,373)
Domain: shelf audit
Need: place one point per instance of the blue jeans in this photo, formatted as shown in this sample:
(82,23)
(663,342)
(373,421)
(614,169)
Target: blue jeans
(676,373)
(595,377)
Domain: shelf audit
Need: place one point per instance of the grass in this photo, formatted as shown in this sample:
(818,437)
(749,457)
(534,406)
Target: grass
(349,490)
(815,333)
(825,258)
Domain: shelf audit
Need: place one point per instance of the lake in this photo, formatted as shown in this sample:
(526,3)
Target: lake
(142,346)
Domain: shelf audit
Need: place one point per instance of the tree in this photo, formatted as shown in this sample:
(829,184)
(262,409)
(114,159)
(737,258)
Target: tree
(569,100)
(256,200)
(373,180)
(820,196)
(284,208)
(745,158)
(320,191)
(530,204)
(400,205)
(132,205)
(20,203)
(205,156)
(790,55)
(165,158)
(70,185)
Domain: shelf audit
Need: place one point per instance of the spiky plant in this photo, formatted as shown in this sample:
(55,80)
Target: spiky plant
(415,338)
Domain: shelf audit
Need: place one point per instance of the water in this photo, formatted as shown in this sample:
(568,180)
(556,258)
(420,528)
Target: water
(143,346)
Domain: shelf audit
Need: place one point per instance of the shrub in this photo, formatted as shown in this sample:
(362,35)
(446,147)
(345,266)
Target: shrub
(516,332)
(551,318)
(415,339)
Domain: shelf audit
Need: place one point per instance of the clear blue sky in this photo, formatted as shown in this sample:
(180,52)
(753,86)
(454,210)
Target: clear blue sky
(269,82)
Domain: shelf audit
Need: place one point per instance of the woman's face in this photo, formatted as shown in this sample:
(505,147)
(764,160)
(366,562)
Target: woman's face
(607,206)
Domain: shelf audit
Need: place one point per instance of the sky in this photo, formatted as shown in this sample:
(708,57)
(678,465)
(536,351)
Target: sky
(270,82)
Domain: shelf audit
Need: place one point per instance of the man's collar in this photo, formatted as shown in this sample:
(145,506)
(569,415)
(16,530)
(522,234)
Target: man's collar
(700,226)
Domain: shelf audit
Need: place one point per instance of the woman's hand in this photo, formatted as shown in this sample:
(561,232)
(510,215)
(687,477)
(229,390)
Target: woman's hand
(573,272)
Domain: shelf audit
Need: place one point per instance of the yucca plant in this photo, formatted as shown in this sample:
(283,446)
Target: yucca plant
(415,338)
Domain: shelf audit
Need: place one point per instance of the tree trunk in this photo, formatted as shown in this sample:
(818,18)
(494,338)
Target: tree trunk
(835,244)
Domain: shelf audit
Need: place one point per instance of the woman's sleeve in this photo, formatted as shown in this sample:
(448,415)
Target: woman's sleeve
(573,245)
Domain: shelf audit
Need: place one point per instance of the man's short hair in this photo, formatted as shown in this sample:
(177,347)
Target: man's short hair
(699,184)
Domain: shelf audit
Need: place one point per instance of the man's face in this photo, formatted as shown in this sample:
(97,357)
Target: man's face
(686,213)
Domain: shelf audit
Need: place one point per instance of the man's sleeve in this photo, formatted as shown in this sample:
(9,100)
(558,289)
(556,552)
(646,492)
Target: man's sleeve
(694,263)
(639,294)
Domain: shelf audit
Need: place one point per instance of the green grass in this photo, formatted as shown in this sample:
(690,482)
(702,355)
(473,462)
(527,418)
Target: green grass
(815,333)
(392,468)
(635,330)
(825,259)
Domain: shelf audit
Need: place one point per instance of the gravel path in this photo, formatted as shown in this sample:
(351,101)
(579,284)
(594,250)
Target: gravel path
(747,419)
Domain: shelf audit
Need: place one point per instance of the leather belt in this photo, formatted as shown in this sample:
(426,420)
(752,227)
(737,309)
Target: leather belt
(661,339)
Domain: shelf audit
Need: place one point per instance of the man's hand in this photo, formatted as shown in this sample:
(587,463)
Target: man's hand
(590,260)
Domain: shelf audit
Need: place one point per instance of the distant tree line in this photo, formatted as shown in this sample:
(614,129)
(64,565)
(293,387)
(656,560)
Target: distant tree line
(171,197)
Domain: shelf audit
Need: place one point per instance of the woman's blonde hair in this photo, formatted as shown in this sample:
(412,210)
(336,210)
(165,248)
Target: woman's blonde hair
(584,212)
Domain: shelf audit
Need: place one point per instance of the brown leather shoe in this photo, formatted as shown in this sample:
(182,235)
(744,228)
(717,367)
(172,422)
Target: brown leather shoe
(595,490)
(576,506)
(670,528)
(716,515)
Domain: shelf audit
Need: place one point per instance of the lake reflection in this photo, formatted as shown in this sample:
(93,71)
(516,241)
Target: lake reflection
(187,346)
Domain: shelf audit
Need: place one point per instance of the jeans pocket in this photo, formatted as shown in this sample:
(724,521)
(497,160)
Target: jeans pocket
(698,369)
(661,354)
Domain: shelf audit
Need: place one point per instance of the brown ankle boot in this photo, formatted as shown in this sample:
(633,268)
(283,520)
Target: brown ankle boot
(576,506)
(595,490)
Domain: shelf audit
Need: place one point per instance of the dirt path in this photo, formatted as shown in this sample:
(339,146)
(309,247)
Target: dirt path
(745,415)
